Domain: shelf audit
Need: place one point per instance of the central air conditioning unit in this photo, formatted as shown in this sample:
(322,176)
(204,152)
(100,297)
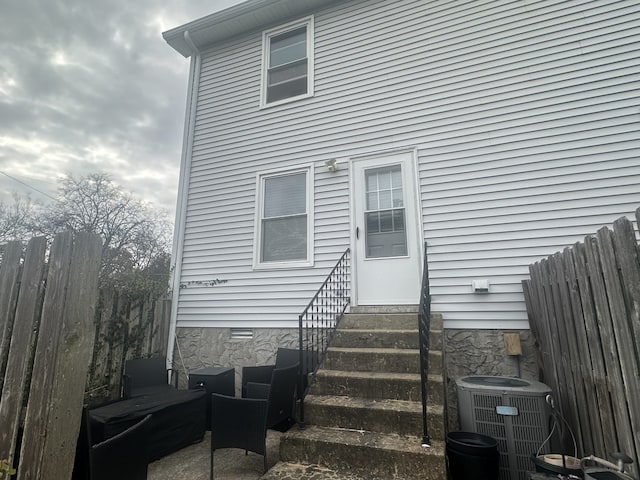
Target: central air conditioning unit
(513,411)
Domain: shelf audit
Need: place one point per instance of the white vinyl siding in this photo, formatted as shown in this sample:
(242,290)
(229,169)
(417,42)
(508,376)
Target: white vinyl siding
(524,116)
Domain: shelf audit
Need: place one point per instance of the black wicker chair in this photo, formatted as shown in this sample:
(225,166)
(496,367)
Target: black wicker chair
(123,456)
(243,422)
(238,423)
(144,376)
(285,357)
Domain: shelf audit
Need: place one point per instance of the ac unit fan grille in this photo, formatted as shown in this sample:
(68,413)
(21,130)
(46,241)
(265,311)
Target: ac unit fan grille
(489,423)
(528,430)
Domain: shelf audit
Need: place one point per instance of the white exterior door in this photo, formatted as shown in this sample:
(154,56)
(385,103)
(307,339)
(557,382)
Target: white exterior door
(386,231)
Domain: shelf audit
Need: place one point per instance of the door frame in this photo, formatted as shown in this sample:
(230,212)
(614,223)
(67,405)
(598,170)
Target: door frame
(413,152)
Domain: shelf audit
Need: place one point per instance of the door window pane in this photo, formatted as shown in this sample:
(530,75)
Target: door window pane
(396,178)
(397,198)
(373,223)
(384,180)
(385,198)
(386,221)
(384,213)
(372,201)
(372,182)
(398,220)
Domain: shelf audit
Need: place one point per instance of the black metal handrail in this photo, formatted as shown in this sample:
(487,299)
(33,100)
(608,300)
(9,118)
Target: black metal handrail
(424,321)
(319,320)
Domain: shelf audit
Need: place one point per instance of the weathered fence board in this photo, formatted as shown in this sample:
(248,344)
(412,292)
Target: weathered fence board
(599,373)
(549,353)
(584,310)
(559,344)
(72,362)
(9,274)
(44,363)
(611,359)
(571,361)
(125,328)
(626,344)
(583,359)
(162,314)
(21,347)
(629,264)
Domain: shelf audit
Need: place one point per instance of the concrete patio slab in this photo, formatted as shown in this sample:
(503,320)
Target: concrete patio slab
(192,462)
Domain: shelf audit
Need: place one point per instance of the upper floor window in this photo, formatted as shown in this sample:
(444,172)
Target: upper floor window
(287,63)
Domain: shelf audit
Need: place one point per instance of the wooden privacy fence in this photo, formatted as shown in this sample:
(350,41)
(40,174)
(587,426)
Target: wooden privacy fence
(584,310)
(126,326)
(46,328)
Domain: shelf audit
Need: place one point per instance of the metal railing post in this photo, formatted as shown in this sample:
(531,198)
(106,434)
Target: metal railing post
(302,371)
(424,320)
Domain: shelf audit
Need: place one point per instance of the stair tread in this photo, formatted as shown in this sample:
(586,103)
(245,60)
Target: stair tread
(323,372)
(379,331)
(305,471)
(384,309)
(381,441)
(381,404)
(378,350)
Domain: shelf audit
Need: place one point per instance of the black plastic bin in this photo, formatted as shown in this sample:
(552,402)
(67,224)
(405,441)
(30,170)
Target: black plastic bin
(472,455)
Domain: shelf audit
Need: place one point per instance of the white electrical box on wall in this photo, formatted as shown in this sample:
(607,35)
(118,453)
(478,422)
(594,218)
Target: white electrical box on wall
(511,410)
(480,285)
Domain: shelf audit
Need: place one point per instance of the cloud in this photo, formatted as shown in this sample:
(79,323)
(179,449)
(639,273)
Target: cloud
(90,86)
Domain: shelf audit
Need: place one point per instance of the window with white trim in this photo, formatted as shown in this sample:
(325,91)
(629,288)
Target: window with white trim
(283,220)
(287,66)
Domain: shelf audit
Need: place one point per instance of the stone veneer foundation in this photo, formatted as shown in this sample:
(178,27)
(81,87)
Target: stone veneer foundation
(213,347)
(466,352)
(482,352)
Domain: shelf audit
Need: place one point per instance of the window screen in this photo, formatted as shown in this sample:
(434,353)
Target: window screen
(284,218)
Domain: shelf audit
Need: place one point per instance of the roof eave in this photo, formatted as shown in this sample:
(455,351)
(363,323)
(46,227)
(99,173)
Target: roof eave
(241,18)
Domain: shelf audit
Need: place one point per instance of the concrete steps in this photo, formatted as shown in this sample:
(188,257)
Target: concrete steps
(372,455)
(402,417)
(297,471)
(354,337)
(364,411)
(377,385)
(392,360)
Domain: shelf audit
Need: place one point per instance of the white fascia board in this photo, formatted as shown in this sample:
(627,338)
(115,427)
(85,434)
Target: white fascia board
(244,17)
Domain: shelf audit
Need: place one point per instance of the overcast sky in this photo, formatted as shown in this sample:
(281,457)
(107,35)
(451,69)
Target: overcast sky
(91,86)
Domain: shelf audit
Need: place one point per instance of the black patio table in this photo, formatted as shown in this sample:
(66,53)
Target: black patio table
(178,419)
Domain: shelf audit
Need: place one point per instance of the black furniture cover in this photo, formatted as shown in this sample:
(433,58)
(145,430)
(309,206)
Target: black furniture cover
(178,419)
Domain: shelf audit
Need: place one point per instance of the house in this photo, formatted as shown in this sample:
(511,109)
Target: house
(497,132)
